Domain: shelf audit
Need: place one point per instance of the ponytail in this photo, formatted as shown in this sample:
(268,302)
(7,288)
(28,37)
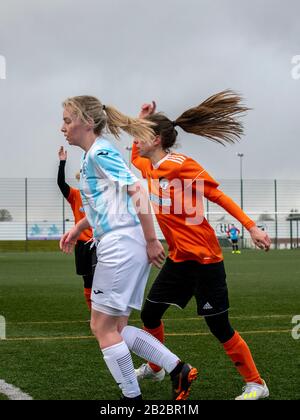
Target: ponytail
(215,118)
(136,127)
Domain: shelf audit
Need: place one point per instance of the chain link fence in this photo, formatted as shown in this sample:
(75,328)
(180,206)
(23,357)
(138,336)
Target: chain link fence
(34,209)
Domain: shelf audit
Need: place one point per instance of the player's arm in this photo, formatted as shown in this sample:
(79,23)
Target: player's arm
(155,250)
(68,240)
(193,171)
(259,237)
(61,182)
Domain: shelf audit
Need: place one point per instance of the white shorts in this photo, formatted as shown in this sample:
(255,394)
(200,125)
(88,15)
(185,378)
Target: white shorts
(122,270)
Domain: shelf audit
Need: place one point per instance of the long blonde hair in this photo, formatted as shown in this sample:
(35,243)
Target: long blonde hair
(106,117)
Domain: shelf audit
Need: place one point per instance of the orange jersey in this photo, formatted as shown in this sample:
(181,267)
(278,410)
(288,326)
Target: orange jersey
(177,185)
(75,201)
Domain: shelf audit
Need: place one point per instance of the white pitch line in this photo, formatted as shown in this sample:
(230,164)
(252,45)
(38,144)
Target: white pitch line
(13,393)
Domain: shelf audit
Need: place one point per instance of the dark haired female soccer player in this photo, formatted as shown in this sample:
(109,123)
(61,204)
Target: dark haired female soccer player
(195,265)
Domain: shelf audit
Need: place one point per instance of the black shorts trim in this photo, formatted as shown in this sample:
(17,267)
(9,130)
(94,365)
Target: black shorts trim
(177,283)
(85,258)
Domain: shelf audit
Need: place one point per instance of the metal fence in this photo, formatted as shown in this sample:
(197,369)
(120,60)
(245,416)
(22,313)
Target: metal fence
(33,209)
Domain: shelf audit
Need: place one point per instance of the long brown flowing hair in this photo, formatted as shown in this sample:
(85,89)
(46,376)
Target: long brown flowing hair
(215,119)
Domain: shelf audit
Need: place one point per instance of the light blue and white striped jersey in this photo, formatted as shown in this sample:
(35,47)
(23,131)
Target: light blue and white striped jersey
(104,178)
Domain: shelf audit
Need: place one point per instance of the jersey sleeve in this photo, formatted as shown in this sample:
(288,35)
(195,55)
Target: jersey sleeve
(139,162)
(193,171)
(61,182)
(112,164)
(217,196)
(72,196)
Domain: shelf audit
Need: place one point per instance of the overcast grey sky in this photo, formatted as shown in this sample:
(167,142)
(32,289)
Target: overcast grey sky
(127,52)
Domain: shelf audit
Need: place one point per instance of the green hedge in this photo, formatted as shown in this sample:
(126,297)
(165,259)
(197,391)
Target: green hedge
(12,246)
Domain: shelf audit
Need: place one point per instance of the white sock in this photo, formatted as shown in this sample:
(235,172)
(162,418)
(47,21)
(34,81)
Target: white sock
(148,347)
(119,362)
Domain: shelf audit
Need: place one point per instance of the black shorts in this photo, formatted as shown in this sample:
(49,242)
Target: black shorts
(177,283)
(234,241)
(85,258)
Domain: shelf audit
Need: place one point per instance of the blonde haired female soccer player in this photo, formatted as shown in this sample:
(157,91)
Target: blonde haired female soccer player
(195,266)
(127,243)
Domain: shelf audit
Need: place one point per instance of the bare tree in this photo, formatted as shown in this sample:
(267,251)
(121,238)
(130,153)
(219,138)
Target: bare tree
(5,216)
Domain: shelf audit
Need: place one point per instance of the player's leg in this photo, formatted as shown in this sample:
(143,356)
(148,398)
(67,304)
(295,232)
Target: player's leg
(87,289)
(148,347)
(238,351)
(170,286)
(216,316)
(233,246)
(115,351)
(90,257)
(122,290)
(84,267)
(237,247)
(151,316)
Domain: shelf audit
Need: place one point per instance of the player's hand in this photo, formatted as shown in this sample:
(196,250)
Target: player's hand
(260,238)
(68,240)
(147,109)
(62,153)
(156,253)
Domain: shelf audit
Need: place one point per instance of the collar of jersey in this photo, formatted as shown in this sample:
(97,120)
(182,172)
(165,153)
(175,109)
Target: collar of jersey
(97,141)
(157,165)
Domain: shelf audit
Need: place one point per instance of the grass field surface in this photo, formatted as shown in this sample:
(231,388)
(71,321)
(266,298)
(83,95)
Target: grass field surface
(49,352)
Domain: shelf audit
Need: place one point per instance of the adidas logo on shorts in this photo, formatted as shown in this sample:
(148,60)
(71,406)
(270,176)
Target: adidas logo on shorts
(207,306)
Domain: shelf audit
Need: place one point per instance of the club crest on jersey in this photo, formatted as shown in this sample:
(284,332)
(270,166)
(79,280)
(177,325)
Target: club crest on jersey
(163,183)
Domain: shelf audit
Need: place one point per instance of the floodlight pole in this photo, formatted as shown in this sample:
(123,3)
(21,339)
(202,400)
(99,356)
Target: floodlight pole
(241,155)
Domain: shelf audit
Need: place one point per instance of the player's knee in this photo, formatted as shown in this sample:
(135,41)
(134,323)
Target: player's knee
(93,326)
(150,318)
(129,335)
(220,327)
(98,328)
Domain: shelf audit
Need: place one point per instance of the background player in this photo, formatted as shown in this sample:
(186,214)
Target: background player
(85,255)
(233,234)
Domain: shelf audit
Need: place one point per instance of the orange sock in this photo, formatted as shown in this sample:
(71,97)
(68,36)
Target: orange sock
(87,295)
(159,334)
(238,351)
